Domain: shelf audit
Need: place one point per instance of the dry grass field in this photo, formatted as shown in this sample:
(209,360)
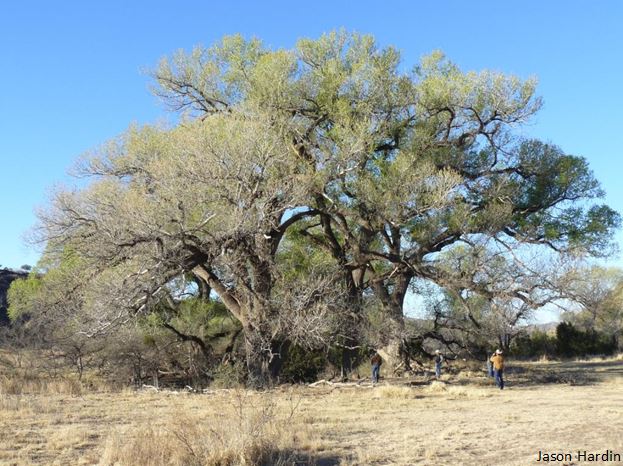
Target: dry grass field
(462,420)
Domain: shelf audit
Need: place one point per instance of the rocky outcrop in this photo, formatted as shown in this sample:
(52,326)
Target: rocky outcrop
(6,277)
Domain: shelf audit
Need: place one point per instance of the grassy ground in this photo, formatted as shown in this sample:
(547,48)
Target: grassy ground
(461,420)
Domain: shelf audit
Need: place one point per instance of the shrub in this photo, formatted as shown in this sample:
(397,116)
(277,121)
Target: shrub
(574,342)
(535,345)
(301,365)
(229,375)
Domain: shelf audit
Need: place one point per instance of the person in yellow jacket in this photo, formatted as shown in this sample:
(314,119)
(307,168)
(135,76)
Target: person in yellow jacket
(498,368)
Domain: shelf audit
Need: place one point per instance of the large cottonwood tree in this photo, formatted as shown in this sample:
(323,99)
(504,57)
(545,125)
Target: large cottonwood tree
(381,169)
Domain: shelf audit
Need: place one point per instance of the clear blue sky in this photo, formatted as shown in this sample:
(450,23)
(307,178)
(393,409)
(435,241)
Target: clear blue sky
(71,72)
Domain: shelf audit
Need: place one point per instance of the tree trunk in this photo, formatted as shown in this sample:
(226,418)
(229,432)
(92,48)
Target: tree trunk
(394,348)
(349,358)
(264,356)
(395,354)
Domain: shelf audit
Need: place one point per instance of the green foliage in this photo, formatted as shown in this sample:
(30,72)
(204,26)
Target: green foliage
(297,257)
(567,342)
(22,296)
(599,293)
(339,357)
(551,182)
(535,345)
(302,365)
(206,318)
(572,342)
(229,375)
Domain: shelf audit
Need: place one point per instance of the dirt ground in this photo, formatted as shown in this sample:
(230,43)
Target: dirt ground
(461,420)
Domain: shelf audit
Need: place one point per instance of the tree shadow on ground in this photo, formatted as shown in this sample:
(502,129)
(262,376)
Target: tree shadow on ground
(293,457)
(578,373)
(526,374)
(328,461)
(516,374)
(296,458)
(533,377)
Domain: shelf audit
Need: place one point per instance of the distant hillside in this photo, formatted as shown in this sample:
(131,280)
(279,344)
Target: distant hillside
(549,327)
(6,277)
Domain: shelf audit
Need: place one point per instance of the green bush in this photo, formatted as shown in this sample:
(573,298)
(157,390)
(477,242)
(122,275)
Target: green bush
(301,365)
(572,342)
(535,345)
(229,375)
(568,342)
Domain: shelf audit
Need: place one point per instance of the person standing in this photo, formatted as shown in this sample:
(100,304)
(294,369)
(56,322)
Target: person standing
(498,368)
(376,362)
(438,360)
(489,365)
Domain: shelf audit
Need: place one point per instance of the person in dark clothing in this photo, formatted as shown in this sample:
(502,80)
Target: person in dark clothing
(376,362)
(438,360)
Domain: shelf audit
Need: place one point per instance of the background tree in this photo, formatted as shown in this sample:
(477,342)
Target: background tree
(598,292)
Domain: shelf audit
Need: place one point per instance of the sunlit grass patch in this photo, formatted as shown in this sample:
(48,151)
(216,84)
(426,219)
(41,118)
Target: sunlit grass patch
(396,391)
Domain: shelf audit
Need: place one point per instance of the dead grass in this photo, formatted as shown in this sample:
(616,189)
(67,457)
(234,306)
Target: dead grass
(26,373)
(250,428)
(23,384)
(404,422)
(436,386)
(396,391)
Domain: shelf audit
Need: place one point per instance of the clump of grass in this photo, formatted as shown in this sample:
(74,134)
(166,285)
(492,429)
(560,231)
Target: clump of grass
(469,392)
(362,455)
(436,386)
(396,391)
(470,374)
(249,432)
